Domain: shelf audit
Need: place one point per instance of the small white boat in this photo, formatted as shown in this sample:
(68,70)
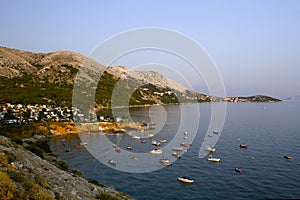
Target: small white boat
(83,143)
(156,151)
(212,159)
(177,155)
(150,135)
(112,162)
(177,148)
(154,142)
(208,148)
(185,179)
(134,158)
(165,162)
(163,141)
(129,148)
(185,135)
(135,137)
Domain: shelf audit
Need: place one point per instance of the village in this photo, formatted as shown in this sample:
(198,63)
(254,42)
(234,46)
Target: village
(28,114)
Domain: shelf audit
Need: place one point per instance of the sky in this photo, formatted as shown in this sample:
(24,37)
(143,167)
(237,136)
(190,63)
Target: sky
(254,44)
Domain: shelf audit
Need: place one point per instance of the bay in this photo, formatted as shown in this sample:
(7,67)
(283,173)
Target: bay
(271,130)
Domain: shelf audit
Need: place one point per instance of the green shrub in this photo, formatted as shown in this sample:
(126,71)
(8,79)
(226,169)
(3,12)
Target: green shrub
(95,182)
(106,196)
(16,176)
(36,150)
(3,159)
(42,195)
(41,181)
(7,187)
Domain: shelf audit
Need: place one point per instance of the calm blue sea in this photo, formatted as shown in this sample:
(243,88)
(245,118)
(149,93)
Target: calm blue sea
(271,131)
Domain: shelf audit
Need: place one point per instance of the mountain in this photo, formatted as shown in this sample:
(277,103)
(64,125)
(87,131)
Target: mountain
(48,78)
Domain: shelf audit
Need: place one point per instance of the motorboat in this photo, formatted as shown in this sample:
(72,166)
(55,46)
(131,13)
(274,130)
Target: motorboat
(212,159)
(150,135)
(134,158)
(185,135)
(288,157)
(185,144)
(129,148)
(165,162)
(83,143)
(185,179)
(239,170)
(118,149)
(176,154)
(135,137)
(215,132)
(155,143)
(245,146)
(112,162)
(156,151)
(177,148)
(163,141)
(143,141)
(208,148)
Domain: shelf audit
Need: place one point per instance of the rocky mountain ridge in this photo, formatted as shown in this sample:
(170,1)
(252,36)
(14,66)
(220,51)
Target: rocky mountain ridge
(48,78)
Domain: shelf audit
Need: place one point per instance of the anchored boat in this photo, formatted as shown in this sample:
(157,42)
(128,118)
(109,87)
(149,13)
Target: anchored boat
(185,179)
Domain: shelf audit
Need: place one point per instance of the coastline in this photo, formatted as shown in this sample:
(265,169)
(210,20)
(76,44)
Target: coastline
(29,164)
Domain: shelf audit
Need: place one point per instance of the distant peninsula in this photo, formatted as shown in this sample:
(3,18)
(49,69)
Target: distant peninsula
(48,79)
(297,98)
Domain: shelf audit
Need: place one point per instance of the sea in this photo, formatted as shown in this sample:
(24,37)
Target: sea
(271,131)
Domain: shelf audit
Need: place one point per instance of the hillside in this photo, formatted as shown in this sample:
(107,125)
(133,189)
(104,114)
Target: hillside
(25,175)
(48,78)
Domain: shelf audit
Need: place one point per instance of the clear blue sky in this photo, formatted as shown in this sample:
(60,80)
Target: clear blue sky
(255,44)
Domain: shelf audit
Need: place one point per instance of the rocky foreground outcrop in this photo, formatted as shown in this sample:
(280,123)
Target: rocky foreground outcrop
(24,175)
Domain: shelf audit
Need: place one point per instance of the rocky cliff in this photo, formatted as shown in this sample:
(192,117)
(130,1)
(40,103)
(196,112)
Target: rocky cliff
(24,175)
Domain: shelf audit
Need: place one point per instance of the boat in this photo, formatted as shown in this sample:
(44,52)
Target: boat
(67,150)
(165,162)
(239,170)
(208,148)
(177,155)
(212,159)
(245,146)
(134,158)
(77,146)
(150,135)
(185,135)
(288,157)
(155,143)
(163,141)
(215,132)
(112,162)
(135,137)
(118,149)
(156,151)
(185,144)
(143,141)
(177,148)
(185,179)
(83,143)
(129,148)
